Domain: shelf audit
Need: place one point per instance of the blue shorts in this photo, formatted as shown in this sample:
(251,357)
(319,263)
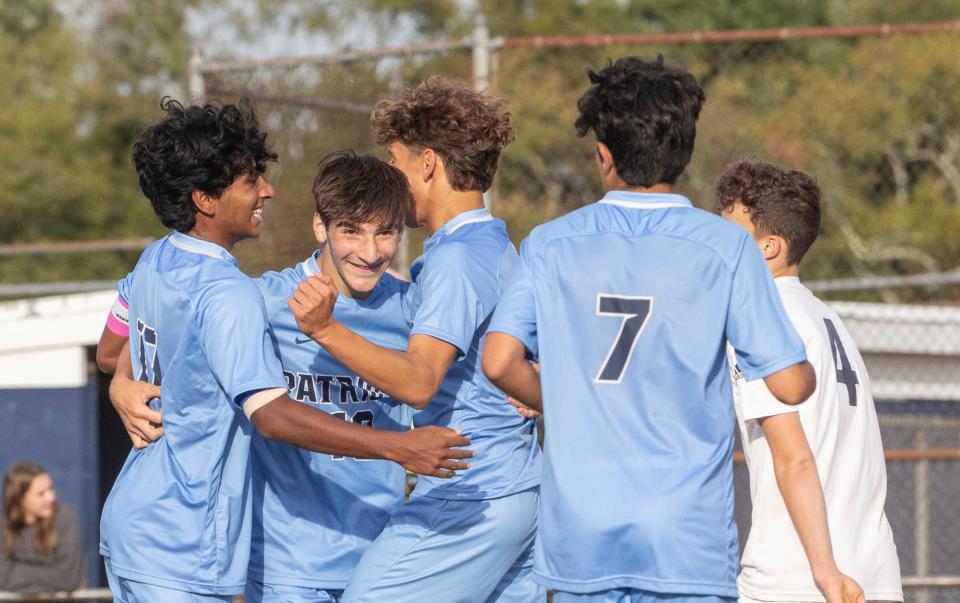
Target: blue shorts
(633,595)
(258,592)
(453,551)
(129,591)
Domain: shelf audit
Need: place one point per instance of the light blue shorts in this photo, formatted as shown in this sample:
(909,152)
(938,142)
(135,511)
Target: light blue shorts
(453,551)
(258,592)
(129,591)
(633,595)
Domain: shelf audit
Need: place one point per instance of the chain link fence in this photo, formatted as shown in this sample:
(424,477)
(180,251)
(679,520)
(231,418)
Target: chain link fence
(873,112)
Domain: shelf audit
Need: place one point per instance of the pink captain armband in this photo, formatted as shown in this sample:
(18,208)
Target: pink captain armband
(119,320)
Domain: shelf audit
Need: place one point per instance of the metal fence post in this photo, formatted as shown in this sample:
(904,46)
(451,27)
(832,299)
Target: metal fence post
(403,253)
(197,88)
(922,514)
(481,54)
(481,68)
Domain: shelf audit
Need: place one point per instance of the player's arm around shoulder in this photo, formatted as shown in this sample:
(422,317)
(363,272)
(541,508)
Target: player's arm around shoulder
(429,450)
(795,468)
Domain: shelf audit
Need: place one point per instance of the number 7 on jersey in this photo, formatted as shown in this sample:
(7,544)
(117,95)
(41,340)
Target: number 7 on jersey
(635,312)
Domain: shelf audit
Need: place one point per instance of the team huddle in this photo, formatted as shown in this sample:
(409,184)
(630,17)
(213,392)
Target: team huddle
(274,419)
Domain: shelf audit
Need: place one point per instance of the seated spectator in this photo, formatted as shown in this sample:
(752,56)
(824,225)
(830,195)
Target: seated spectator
(41,540)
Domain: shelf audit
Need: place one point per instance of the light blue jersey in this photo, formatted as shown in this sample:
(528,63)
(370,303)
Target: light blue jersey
(628,304)
(469,538)
(179,514)
(458,280)
(315,514)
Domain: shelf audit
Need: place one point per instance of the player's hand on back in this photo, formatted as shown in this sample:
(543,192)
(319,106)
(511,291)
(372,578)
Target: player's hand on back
(432,450)
(840,588)
(524,410)
(129,399)
(312,304)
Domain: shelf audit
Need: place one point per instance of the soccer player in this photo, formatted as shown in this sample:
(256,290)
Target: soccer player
(315,514)
(627,304)
(176,525)
(469,538)
(780,209)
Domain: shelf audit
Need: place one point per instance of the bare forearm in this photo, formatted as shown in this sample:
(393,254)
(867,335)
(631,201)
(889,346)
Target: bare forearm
(297,424)
(802,493)
(108,350)
(124,365)
(403,375)
(523,385)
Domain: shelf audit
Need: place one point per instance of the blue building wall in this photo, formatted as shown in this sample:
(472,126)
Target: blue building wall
(57,428)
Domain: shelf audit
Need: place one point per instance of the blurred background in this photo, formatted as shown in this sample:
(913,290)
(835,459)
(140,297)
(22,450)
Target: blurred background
(863,94)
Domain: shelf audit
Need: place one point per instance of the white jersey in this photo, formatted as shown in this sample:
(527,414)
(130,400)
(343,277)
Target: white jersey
(840,422)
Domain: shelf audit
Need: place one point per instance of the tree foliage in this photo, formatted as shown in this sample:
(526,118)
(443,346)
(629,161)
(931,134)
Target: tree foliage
(876,120)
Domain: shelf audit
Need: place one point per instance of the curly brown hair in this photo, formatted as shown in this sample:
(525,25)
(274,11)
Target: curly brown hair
(467,129)
(781,202)
(15,485)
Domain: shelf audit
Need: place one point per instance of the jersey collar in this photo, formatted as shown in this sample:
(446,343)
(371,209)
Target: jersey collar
(788,282)
(454,224)
(195,245)
(645,200)
(311,265)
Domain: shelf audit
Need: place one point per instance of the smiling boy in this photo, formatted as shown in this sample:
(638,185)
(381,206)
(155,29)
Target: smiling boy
(177,523)
(469,538)
(315,514)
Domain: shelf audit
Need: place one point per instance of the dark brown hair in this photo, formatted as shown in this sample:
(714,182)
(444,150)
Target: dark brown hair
(781,202)
(467,129)
(360,189)
(15,485)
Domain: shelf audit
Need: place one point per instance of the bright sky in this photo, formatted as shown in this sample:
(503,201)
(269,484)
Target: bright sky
(216,40)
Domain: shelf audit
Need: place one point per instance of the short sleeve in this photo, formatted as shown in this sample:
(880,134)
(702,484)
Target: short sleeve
(516,311)
(757,325)
(276,289)
(450,305)
(236,340)
(124,287)
(118,320)
(756,401)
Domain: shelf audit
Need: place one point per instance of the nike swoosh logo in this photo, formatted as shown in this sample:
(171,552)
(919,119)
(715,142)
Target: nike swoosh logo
(307,340)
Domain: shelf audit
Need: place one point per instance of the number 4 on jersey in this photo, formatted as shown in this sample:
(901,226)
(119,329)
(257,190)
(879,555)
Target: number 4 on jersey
(845,373)
(635,312)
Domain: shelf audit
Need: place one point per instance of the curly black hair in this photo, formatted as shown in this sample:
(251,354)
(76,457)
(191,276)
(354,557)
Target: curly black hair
(646,113)
(193,148)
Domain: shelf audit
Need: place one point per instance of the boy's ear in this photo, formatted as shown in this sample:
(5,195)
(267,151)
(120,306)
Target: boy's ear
(319,229)
(772,247)
(429,162)
(605,159)
(204,203)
